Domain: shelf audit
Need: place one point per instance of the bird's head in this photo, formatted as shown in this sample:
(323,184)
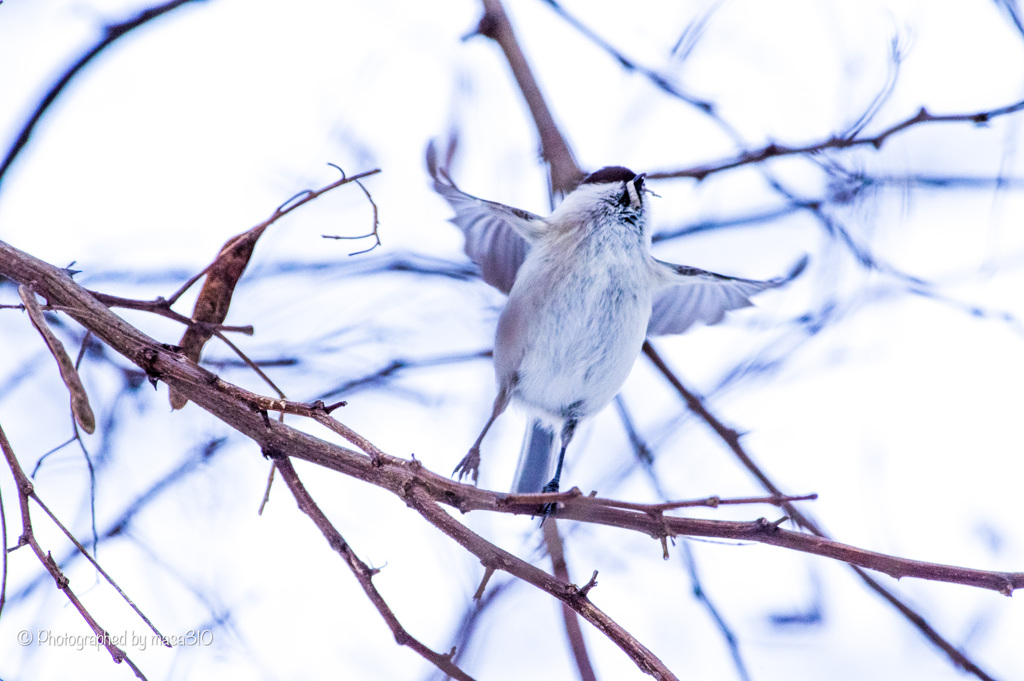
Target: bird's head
(612,193)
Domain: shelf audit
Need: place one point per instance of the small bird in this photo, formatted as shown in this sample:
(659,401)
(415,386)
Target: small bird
(584,292)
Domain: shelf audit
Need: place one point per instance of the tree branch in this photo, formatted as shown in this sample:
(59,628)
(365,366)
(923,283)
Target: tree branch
(565,173)
(25,492)
(732,440)
(363,572)
(111,33)
(775,150)
(559,567)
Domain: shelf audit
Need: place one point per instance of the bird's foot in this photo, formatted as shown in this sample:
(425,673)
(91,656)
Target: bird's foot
(470,465)
(548,510)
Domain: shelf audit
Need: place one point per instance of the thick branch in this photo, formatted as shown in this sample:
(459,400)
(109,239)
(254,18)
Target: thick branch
(565,173)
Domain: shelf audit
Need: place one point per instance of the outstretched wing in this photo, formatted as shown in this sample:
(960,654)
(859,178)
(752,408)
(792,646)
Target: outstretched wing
(694,295)
(497,236)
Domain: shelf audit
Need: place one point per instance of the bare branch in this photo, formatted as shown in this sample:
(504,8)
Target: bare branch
(710,502)
(775,150)
(99,568)
(282,210)
(230,404)
(363,572)
(731,438)
(493,556)
(565,173)
(376,222)
(660,81)
(161,306)
(26,491)
(111,33)
(572,624)
(3,547)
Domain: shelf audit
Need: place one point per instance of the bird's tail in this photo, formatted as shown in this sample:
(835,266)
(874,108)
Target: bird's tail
(534,467)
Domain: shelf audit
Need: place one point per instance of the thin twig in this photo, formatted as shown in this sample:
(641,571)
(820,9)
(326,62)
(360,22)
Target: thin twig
(363,572)
(25,492)
(111,32)
(474,612)
(776,150)
(53,450)
(307,195)
(400,364)
(896,60)
(1012,9)
(646,461)
(660,81)
(161,306)
(77,437)
(3,547)
(731,640)
(572,623)
(266,491)
(99,568)
(731,438)
(490,555)
(251,364)
(710,502)
(376,224)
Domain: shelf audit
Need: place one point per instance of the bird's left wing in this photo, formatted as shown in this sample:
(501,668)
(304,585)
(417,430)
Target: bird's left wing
(694,295)
(497,236)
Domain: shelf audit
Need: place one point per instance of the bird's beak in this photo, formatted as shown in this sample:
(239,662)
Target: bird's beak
(638,183)
(637,189)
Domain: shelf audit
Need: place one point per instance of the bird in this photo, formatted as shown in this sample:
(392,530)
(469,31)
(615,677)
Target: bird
(584,292)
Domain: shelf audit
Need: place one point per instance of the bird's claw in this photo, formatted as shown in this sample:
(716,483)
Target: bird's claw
(470,465)
(548,510)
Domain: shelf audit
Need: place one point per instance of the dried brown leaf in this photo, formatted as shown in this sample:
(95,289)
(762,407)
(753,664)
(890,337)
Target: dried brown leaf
(79,398)
(215,297)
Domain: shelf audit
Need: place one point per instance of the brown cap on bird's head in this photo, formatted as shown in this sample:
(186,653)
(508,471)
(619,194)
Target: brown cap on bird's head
(609,174)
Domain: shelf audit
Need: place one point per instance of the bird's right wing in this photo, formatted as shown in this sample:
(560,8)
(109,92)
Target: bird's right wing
(497,236)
